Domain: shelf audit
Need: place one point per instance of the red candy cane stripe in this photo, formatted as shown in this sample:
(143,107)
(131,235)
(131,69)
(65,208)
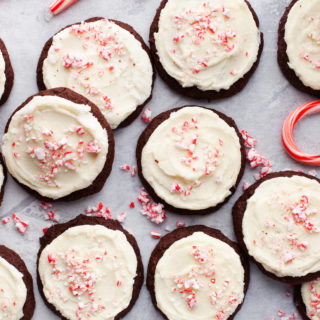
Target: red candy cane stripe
(287,133)
(58,6)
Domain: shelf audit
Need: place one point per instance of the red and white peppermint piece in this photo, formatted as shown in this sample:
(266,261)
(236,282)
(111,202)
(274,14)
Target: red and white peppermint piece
(155,234)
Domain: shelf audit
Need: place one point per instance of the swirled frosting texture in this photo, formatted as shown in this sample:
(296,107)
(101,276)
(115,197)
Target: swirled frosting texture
(55,146)
(302,36)
(199,278)
(207,44)
(2,74)
(310,293)
(13,292)
(103,62)
(192,159)
(281,226)
(88,272)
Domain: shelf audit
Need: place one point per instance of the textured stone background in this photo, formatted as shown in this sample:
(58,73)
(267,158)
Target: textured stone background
(260,108)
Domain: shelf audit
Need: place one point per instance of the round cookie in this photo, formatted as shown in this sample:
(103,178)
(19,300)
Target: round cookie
(298,45)
(107,61)
(6,74)
(197,48)
(58,146)
(3,178)
(306,299)
(197,273)
(191,158)
(16,287)
(275,222)
(87,253)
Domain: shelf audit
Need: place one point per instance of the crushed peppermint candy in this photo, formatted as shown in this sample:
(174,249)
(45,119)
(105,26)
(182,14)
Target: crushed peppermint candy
(80,278)
(146,116)
(189,286)
(99,211)
(254,158)
(20,225)
(5,220)
(186,137)
(153,211)
(155,234)
(122,217)
(202,25)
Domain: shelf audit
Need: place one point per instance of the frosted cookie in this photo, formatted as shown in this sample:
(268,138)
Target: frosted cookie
(192,158)
(299,45)
(276,221)
(89,268)
(58,146)
(206,49)
(3,178)
(307,300)
(107,61)
(16,287)
(197,273)
(6,74)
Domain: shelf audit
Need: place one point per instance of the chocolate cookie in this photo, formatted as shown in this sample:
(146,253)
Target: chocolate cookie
(57,230)
(133,115)
(100,179)
(198,233)
(8,72)
(283,59)
(191,89)
(4,173)
(212,155)
(286,201)
(14,259)
(299,303)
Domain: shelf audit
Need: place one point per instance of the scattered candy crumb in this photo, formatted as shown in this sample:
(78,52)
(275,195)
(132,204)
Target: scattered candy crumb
(153,211)
(128,168)
(254,158)
(122,217)
(146,116)
(100,211)
(180,224)
(155,235)
(20,225)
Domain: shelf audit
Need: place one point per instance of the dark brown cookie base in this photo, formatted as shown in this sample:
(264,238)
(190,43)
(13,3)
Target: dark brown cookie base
(8,72)
(14,259)
(100,180)
(123,25)
(2,188)
(143,139)
(56,230)
(283,59)
(238,213)
(194,92)
(179,234)
(299,303)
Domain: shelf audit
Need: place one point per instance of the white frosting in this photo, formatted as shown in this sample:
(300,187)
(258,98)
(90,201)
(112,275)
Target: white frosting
(55,146)
(281,226)
(302,36)
(13,292)
(310,292)
(199,277)
(207,44)
(2,74)
(192,159)
(88,270)
(103,62)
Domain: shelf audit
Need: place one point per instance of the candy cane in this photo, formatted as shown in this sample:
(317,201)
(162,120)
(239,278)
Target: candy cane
(58,6)
(287,133)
